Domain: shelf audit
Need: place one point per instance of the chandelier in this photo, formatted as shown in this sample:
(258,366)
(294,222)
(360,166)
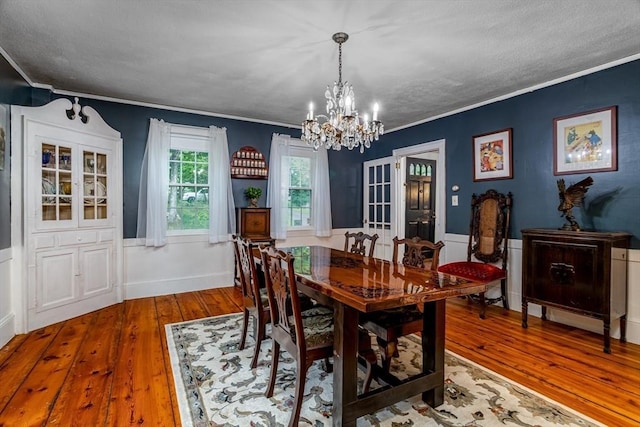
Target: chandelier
(342,126)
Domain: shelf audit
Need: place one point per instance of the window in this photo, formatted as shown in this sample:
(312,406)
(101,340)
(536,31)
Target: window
(298,209)
(298,192)
(188,201)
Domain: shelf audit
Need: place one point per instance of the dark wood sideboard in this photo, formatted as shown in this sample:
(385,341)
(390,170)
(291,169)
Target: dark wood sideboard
(578,271)
(254,224)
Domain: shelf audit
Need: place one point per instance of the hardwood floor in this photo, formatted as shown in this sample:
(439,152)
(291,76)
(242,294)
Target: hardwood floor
(111,367)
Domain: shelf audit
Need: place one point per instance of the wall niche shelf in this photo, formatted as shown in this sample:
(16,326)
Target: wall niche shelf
(248,163)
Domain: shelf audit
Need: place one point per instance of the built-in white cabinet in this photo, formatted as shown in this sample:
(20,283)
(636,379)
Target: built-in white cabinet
(72,211)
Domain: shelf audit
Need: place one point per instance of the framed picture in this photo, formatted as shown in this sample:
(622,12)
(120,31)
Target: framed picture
(492,157)
(585,142)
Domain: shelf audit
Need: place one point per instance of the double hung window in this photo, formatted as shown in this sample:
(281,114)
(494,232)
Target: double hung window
(298,209)
(188,201)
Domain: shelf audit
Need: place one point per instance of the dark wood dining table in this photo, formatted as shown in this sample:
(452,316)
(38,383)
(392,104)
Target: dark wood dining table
(354,284)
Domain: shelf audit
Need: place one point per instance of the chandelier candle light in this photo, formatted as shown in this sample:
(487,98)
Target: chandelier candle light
(341,127)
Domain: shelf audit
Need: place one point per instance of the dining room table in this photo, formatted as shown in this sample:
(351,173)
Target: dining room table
(353,284)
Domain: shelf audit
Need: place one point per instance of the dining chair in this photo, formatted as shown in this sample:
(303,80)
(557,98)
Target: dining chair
(307,335)
(359,245)
(389,325)
(487,246)
(254,297)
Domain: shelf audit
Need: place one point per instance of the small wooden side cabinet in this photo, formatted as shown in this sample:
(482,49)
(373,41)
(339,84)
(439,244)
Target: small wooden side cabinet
(582,272)
(254,224)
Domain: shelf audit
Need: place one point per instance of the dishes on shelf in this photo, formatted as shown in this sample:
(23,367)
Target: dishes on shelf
(100,191)
(48,187)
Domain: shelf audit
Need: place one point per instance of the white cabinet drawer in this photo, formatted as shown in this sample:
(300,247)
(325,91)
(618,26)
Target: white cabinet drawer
(77,238)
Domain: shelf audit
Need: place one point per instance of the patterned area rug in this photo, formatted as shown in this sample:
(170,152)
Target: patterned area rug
(216,387)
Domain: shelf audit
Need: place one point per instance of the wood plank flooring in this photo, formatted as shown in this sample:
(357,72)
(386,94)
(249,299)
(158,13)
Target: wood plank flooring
(111,367)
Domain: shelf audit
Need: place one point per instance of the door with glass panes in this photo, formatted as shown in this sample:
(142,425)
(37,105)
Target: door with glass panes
(378,192)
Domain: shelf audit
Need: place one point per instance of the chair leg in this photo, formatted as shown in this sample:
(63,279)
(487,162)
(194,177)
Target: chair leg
(387,350)
(328,366)
(275,357)
(483,305)
(245,326)
(503,288)
(299,392)
(259,336)
(369,357)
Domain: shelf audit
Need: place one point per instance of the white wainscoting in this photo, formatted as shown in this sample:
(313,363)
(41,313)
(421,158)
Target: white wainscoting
(456,249)
(7,316)
(186,263)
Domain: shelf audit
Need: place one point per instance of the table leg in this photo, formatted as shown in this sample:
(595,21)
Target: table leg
(345,345)
(433,330)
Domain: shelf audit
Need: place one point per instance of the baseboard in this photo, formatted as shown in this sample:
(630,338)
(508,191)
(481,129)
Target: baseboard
(7,329)
(176,286)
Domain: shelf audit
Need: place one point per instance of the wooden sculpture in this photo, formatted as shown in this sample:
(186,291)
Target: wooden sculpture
(570,197)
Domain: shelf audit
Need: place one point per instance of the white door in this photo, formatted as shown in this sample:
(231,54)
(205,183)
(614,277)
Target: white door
(378,194)
(434,150)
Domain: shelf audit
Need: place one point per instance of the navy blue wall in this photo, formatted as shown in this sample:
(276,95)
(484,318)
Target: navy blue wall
(133,124)
(613,201)
(13,90)
(530,115)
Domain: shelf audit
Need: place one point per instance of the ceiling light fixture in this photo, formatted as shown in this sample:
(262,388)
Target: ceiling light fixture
(341,127)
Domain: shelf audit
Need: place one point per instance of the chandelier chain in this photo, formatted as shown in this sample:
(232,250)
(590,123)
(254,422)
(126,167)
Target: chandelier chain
(340,64)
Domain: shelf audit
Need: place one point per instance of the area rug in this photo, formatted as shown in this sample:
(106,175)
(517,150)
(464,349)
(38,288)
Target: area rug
(215,387)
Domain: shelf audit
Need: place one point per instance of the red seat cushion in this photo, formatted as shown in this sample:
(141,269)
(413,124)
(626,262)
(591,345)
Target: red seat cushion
(477,271)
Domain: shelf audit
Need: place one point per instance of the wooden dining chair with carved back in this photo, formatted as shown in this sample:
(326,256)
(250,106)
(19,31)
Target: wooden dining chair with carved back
(254,296)
(488,247)
(357,243)
(389,325)
(307,335)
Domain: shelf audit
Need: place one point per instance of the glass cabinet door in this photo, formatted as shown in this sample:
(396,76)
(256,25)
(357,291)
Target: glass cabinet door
(57,183)
(94,182)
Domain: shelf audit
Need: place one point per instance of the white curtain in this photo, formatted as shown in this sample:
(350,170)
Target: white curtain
(278,184)
(278,188)
(222,220)
(321,194)
(154,184)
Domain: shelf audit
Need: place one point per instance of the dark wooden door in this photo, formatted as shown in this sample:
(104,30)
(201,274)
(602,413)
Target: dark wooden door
(420,198)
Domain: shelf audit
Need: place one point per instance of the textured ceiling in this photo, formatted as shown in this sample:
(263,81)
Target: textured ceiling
(266,60)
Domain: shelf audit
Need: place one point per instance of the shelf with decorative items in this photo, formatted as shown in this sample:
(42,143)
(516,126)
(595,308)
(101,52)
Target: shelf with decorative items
(248,163)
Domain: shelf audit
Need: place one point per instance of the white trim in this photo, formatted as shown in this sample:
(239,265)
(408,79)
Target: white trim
(168,107)
(441,200)
(7,329)
(17,67)
(521,91)
(153,288)
(6,254)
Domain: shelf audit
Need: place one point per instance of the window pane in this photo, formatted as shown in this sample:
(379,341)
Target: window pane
(299,207)
(188,198)
(299,202)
